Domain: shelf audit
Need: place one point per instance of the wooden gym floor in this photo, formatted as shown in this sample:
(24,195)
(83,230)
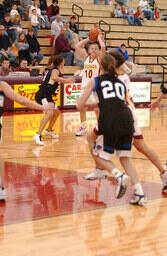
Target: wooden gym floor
(52,211)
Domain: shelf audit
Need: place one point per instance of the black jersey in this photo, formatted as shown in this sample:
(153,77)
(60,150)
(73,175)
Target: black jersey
(2,96)
(47,89)
(115,120)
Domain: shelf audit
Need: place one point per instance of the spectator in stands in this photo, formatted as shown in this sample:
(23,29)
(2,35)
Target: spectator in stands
(43,19)
(34,21)
(122,49)
(34,47)
(53,10)
(139,14)
(23,67)
(10,29)
(97,2)
(157,14)
(13,11)
(146,9)
(17,24)
(117,11)
(63,48)
(2,11)
(23,47)
(5,67)
(5,46)
(8,5)
(73,25)
(126,15)
(56,26)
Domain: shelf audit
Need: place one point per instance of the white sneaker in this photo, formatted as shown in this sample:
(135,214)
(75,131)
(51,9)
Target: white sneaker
(123,182)
(164,182)
(96,174)
(51,134)
(138,200)
(37,139)
(2,194)
(81,132)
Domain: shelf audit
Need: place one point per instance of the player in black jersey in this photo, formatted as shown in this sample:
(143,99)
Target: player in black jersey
(115,125)
(49,88)
(6,90)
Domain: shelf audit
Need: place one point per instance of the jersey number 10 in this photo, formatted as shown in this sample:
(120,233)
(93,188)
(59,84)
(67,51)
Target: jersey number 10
(89,73)
(110,91)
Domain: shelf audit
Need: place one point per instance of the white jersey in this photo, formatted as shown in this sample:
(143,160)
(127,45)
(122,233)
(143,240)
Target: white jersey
(90,70)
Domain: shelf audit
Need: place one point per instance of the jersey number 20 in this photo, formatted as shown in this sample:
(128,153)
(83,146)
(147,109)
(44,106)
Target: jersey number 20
(109,92)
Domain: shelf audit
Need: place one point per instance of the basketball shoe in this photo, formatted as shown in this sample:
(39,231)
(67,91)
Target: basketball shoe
(2,194)
(37,139)
(123,182)
(81,132)
(96,174)
(138,199)
(164,180)
(51,134)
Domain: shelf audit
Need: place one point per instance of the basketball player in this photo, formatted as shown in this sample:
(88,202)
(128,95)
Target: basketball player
(138,139)
(115,126)
(6,90)
(91,69)
(156,103)
(48,88)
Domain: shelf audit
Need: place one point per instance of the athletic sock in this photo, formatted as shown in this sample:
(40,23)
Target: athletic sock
(83,125)
(138,189)
(116,173)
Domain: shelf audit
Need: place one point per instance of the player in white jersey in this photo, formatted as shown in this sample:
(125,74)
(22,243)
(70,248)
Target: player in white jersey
(91,69)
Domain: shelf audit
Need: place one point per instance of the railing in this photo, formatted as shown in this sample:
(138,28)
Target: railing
(102,26)
(75,8)
(163,65)
(135,48)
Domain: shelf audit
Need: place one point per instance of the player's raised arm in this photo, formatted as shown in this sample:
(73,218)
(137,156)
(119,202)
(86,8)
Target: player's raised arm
(9,93)
(86,94)
(102,45)
(80,48)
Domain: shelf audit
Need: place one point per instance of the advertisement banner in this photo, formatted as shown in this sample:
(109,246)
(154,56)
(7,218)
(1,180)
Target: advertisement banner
(141,92)
(71,94)
(28,91)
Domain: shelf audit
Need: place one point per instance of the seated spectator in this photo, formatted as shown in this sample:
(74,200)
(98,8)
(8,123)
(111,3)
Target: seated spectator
(73,25)
(157,14)
(23,47)
(10,29)
(97,2)
(43,19)
(146,9)
(56,26)
(63,48)
(5,46)
(13,11)
(139,14)
(117,11)
(17,24)
(34,47)
(53,10)
(23,67)
(34,22)
(5,67)
(123,51)
(126,15)
(122,2)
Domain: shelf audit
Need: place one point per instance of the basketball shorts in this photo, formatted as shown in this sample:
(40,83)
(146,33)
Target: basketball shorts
(93,99)
(42,101)
(137,130)
(123,147)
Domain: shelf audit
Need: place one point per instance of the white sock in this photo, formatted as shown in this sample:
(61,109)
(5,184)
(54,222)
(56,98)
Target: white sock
(116,173)
(83,125)
(138,189)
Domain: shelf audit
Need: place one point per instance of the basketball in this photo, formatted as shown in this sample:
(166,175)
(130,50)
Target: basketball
(93,34)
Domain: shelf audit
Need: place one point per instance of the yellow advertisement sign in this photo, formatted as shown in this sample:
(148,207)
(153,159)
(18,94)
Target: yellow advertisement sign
(25,126)
(28,91)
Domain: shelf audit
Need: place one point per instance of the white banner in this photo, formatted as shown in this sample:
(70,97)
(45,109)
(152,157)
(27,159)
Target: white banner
(140,92)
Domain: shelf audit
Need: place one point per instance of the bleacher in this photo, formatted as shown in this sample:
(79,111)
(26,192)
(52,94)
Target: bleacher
(152,36)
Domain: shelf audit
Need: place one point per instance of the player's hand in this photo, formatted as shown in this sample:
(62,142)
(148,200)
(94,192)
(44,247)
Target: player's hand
(71,80)
(48,106)
(154,105)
